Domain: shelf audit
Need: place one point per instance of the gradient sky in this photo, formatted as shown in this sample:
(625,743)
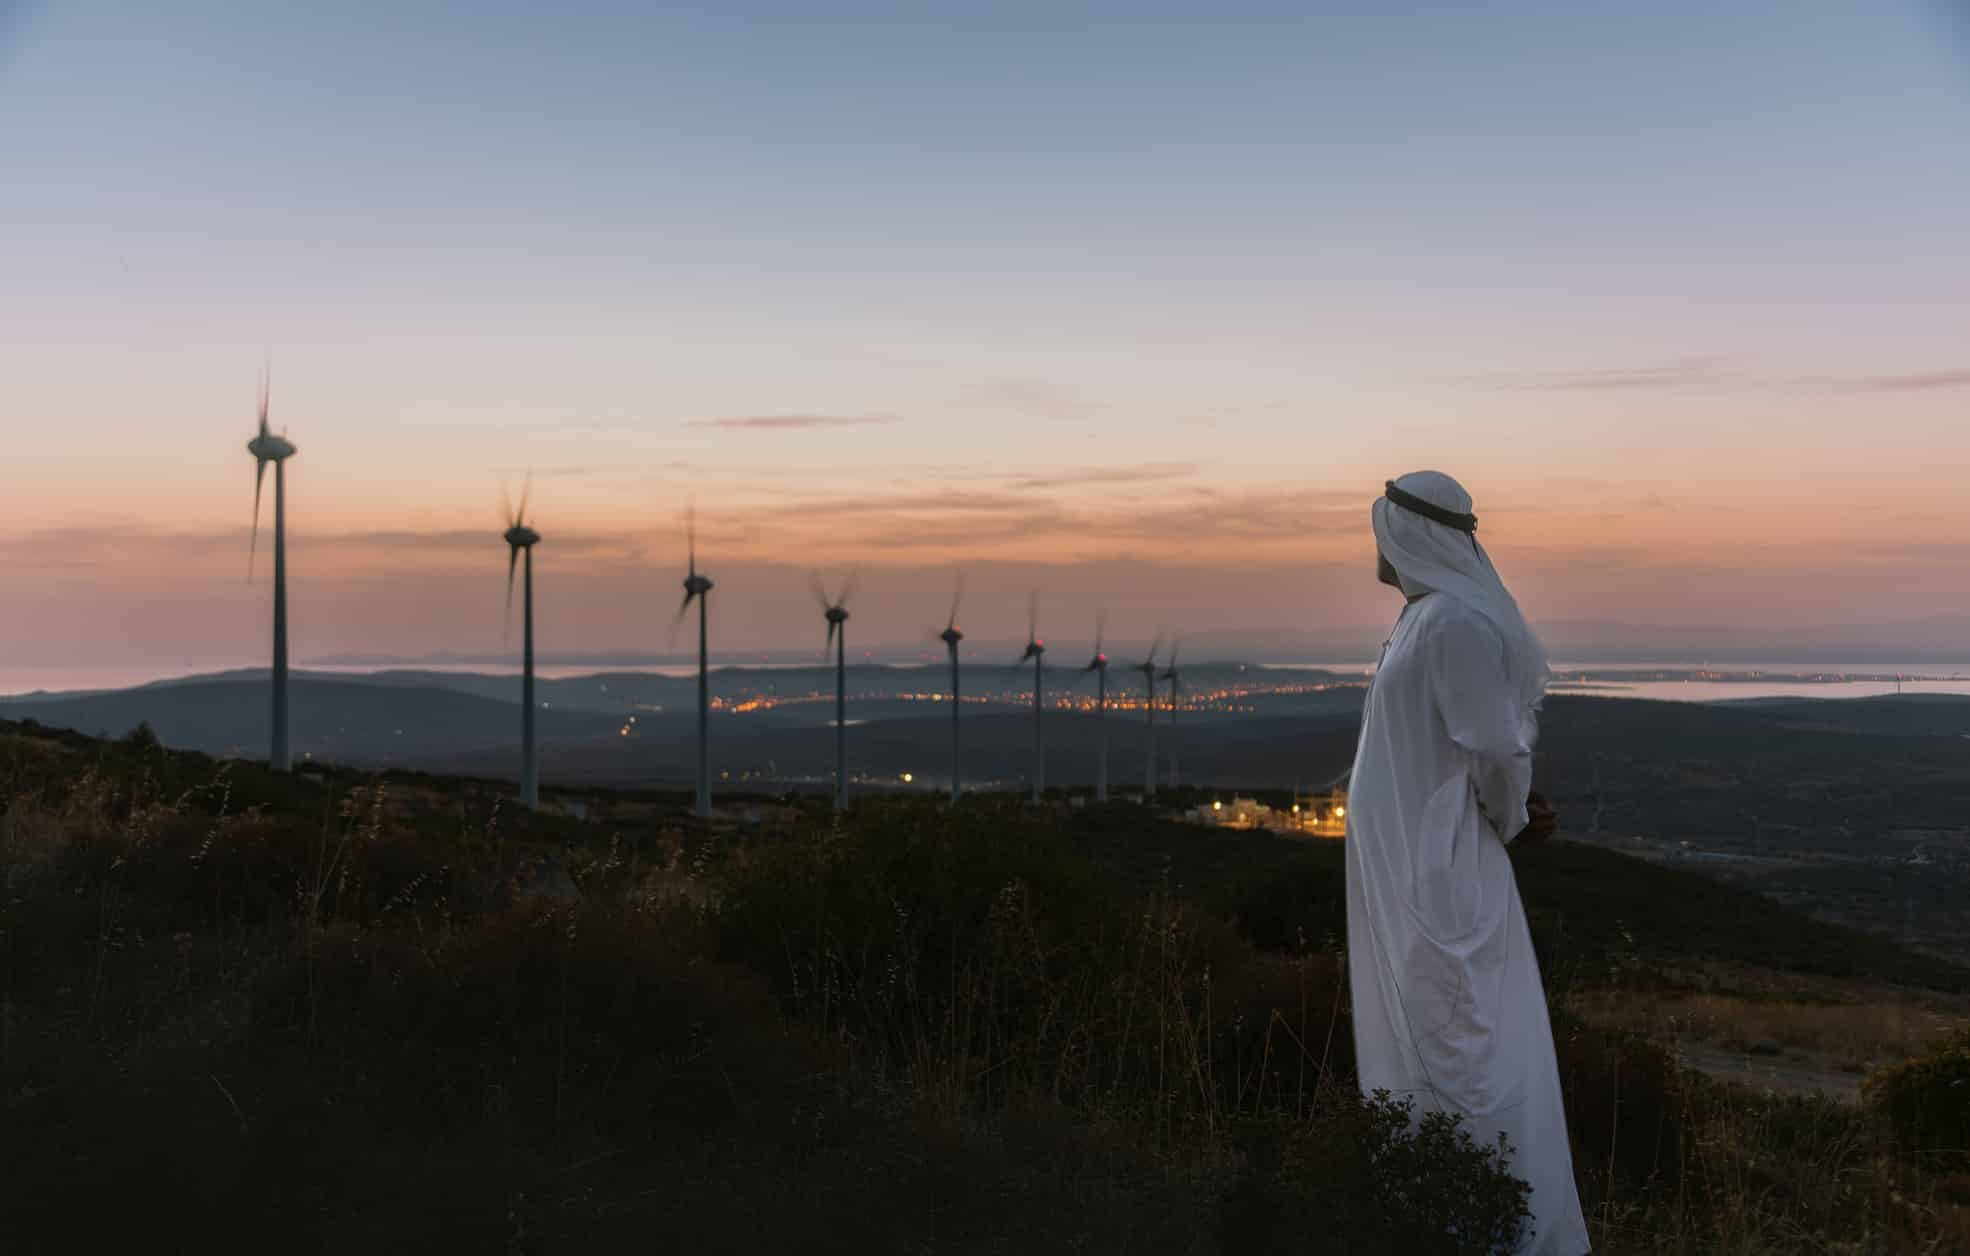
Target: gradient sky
(1133,303)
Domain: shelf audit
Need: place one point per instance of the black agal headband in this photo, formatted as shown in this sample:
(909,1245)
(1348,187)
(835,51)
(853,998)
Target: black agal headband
(1432,511)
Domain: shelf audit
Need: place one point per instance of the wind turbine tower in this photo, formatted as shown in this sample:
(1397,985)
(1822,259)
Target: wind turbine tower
(1148,669)
(950,637)
(1099,666)
(522,538)
(696,588)
(265,448)
(836,610)
(1176,686)
(1036,650)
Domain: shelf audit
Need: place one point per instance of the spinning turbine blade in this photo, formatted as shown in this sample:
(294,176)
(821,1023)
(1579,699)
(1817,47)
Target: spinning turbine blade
(253,548)
(526,491)
(677,620)
(848,588)
(956,595)
(512,561)
(820,591)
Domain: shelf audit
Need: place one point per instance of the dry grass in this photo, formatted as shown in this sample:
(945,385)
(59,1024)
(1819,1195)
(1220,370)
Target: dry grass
(357,1017)
(1853,1037)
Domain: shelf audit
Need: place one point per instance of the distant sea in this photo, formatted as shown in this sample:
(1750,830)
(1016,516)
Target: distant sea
(1674,682)
(1736,682)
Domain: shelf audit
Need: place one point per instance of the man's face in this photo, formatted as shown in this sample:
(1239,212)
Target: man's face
(1385,573)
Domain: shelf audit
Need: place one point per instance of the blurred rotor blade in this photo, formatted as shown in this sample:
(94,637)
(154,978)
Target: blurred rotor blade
(506,504)
(820,590)
(677,620)
(848,588)
(691,534)
(526,491)
(832,626)
(253,547)
(1100,628)
(266,394)
(1033,615)
(512,561)
(957,595)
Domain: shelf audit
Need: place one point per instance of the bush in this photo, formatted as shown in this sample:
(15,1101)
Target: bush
(1371,1176)
(1927,1100)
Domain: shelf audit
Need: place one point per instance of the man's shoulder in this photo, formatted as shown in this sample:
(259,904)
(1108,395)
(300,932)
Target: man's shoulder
(1440,610)
(1441,618)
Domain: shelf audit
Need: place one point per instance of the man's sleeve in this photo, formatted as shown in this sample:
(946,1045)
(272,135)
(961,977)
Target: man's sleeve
(1481,713)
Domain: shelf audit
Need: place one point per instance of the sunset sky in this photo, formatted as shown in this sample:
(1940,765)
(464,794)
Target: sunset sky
(1135,304)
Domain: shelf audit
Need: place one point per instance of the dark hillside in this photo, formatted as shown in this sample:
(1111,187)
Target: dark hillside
(349,1012)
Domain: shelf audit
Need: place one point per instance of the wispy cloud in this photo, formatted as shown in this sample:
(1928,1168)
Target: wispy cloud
(1021,395)
(1667,377)
(1711,376)
(912,503)
(1942,551)
(1146,473)
(106,546)
(1920,381)
(792,422)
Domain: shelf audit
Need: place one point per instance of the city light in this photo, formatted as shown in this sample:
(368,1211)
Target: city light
(907,778)
(1217,806)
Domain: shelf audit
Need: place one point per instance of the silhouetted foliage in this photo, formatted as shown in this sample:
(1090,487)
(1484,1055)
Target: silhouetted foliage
(1927,1100)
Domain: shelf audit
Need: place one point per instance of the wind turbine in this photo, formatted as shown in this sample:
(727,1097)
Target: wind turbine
(836,610)
(265,448)
(1175,678)
(519,537)
(1099,666)
(950,637)
(696,588)
(1036,650)
(1148,669)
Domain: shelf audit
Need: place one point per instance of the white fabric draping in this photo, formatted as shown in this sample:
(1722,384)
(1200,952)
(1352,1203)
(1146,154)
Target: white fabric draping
(1449,1011)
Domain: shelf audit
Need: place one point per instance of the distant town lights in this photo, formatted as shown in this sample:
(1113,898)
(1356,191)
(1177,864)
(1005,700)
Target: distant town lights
(907,778)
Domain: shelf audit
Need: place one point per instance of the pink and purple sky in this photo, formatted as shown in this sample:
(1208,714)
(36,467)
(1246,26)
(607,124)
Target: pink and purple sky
(1135,304)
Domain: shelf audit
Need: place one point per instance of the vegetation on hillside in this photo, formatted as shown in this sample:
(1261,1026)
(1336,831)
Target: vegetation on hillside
(367,1013)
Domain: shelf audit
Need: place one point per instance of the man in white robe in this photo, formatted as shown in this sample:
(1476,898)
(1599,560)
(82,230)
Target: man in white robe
(1448,1008)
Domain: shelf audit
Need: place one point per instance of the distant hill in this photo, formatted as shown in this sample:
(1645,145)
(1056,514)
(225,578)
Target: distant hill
(469,724)
(345,721)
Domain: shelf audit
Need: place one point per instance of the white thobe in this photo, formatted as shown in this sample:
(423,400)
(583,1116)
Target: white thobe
(1448,1007)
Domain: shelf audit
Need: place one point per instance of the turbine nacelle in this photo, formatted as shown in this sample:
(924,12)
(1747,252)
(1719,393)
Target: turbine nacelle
(268,447)
(950,637)
(265,448)
(520,536)
(1099,663)
(1034,649)
(696,585)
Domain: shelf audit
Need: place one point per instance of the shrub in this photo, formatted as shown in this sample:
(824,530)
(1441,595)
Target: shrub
(1371,1176)
(1926,1099)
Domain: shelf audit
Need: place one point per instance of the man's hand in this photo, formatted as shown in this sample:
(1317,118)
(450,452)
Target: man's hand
(1541,824)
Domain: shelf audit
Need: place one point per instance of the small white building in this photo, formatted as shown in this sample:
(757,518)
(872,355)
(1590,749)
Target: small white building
(1321,816)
